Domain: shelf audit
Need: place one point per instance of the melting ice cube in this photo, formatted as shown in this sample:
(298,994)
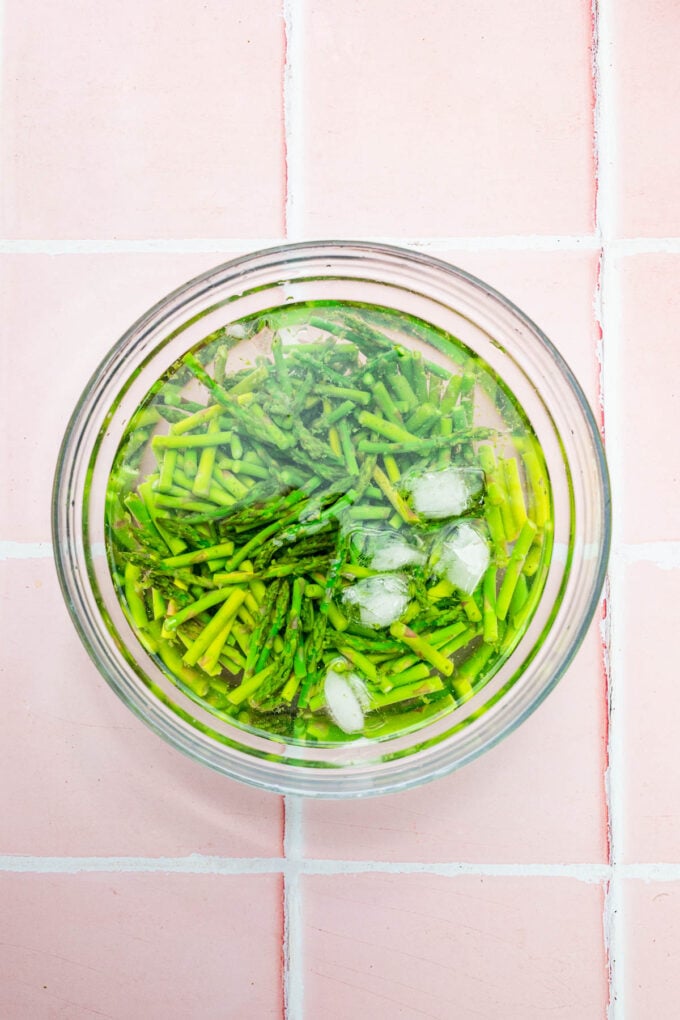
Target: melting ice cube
(392,553)
(381,599)
(464,558)
(445,493)
(346,699)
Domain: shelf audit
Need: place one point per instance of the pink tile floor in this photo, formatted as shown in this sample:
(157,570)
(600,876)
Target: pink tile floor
(144,143)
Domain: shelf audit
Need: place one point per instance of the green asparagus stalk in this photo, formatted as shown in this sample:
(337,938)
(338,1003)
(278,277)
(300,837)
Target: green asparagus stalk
(514,568)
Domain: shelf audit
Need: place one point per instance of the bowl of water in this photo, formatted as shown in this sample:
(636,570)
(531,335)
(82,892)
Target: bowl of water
(332,518)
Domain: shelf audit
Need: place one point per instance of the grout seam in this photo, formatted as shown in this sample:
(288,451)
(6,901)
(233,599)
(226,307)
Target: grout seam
(293,144)
(293,865)
(645,246)
(622,247)
(293,115)
(622,556)
(25,550)
(608,314)
(610,919)
(665,555)
(194,864)
(131,246)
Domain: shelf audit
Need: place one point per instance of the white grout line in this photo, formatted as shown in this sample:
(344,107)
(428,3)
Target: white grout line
(294,117)
(652,872)
(38,550)
(589,873)
(508,242)
(294,168)
(194,864)
(609,312)
(124,246)
(25,550)
(5,132)
(293,990)
(612,940)
(646,246)
(615,625)
(293,865)
(665,555)
(238,246)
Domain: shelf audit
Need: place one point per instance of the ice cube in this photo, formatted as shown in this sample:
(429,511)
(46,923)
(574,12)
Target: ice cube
(393,553)
(381,599)
(343,701)
(464,558)
(445,493)
(300,334)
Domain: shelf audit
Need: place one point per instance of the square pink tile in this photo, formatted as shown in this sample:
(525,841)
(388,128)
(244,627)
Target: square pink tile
(651,713)
(650,397)
(647,81)
(61,314)
(537,797)
(435,119)
(157,946)
(389,946)
(652,917)
(557,291)
(148,120)
(81,775)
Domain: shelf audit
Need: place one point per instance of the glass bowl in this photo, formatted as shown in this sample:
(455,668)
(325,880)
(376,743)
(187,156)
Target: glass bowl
(417,285)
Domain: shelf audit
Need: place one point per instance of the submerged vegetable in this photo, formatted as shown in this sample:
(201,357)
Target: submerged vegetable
(338,538)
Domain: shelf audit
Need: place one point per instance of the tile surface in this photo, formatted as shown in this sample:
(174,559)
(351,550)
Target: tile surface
(163,947)
(646,39)
(456,120)
(391,946)
(149,120)
(652,714)
(82,776)
(650,397)
(653,949)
